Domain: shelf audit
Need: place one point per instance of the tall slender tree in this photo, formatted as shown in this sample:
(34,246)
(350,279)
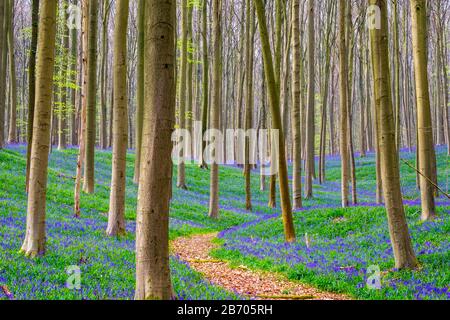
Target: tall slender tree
(205,78)
(91,100)
(82,122)
(216,106)
(263,119)
(155,185)
(326,81)
(424,125)
(116,216)
(295,109)
(343,83)
(310,119)
(396,54)
(63,110)
(31,82)
(181,173)
(274,97)
(73,91)
(249,100)
(12,135)
(350,98)
(103,73)
(398,228)
(139,87)
(278,46)
(34,242)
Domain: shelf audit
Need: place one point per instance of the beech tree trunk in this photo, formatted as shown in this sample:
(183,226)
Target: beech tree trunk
(91,97)
(116,216)
(34,242)
(12,135)
(31,83)
(82,122)
(205,79)
(103,72)
(310,145)
(278,45)
(274,97)
(249,101)
(343,81)
(63,110)
(295,109)
(398,228)
(263,119)
(425,129)
(216,106)
(396,53)
(326,84)
(155,184)
(73,92)
(350,99)
(139,87)
(182,96)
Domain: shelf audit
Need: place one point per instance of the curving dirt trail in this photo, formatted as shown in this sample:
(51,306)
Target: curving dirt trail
(252,284)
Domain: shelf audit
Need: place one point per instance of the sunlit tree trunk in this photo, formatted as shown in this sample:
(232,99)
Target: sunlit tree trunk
(249,100)
(205,79)
(91,97)
(375,129)
(442,56)
(362,116)
(277,71)
(103,72)
(216,106)
(31,82)
(73,91)
(189,83)
(310,145)
(241,81)
(439,101)
(34,242)
(424,125)
(408,115)
(350,99)
(12,136)
(83,98)
(343,81)
(274,97)
(332,131)
(182,95)
(285,92)
(396,53)
(263,119)
(139,87)
(155,184)
(295,109)
(400,240)
(116,216)
(324,96)
(369,108)
(446,96)
(63,111)
(111,115)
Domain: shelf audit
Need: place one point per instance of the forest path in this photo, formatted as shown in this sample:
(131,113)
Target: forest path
(243,281)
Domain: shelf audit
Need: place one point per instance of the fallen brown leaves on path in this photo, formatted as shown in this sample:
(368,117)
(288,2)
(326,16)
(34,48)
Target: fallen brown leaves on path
(253,284)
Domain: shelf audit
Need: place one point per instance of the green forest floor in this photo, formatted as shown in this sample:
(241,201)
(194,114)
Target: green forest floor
(342,244)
